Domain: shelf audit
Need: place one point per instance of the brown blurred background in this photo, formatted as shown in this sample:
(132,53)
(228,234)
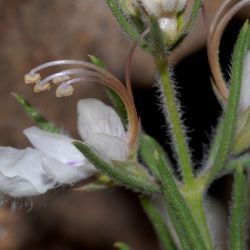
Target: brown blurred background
(36,31)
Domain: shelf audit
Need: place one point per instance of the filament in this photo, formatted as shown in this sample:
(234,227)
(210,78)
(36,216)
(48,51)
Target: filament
(214,42)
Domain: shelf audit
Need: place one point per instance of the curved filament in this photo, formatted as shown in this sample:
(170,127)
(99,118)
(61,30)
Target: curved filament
(214,43)
(129,61)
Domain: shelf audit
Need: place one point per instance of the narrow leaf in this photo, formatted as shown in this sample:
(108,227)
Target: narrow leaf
(150,150)
(188,24)
(125,21)
(243,161)
(97,61)
(158,224)
(126,175)
(187,230)
(35,115)
(229,121)
(238,222)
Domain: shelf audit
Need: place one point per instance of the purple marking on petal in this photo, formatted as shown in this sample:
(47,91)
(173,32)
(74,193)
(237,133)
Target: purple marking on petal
(74,163)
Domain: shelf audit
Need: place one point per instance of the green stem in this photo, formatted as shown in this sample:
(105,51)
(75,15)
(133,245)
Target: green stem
(158,224)
(237,237)
(176,125)
(194,199)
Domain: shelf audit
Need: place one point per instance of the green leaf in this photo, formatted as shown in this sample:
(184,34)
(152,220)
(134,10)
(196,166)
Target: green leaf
(150,150)
(125,21)
(230,117)
(97,61)
(158,224)
(122,246)
(187,230)
(92,187)
(243,161)
(128,174)
(238,221)
(184,31)
(35,115)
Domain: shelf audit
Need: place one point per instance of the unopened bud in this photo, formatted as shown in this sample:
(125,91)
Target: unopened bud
(63,91)
(41,87)
(32,78)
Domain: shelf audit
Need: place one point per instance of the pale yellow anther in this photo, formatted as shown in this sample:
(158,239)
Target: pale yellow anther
(41,87)
(63,91)
(32,78)
(60,79)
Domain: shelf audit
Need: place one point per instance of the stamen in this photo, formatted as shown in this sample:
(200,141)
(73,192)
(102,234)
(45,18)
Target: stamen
(89,73)
(31,78)
(75,62)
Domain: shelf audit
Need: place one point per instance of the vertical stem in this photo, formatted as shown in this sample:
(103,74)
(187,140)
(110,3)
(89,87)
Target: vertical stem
(178,133)
(194,200)
(237,237)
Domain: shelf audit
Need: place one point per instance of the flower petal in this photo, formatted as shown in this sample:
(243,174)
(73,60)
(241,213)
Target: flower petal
(95,117)
(110,147)
(55,146)
(245,88)
(66,174)
(21,172)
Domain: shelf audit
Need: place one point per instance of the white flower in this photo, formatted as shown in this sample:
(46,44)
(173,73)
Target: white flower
(245,88)
(164,10)
(32,172)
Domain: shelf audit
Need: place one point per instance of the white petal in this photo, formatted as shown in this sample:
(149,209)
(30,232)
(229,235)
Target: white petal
(66,174)
(21,172)
(245,88)
(95,117)
(58,147)
(173,6)
(110,147)
(153,7)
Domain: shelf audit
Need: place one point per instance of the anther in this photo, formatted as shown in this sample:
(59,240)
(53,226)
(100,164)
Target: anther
(32,78)
(41,87)
(64,90)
